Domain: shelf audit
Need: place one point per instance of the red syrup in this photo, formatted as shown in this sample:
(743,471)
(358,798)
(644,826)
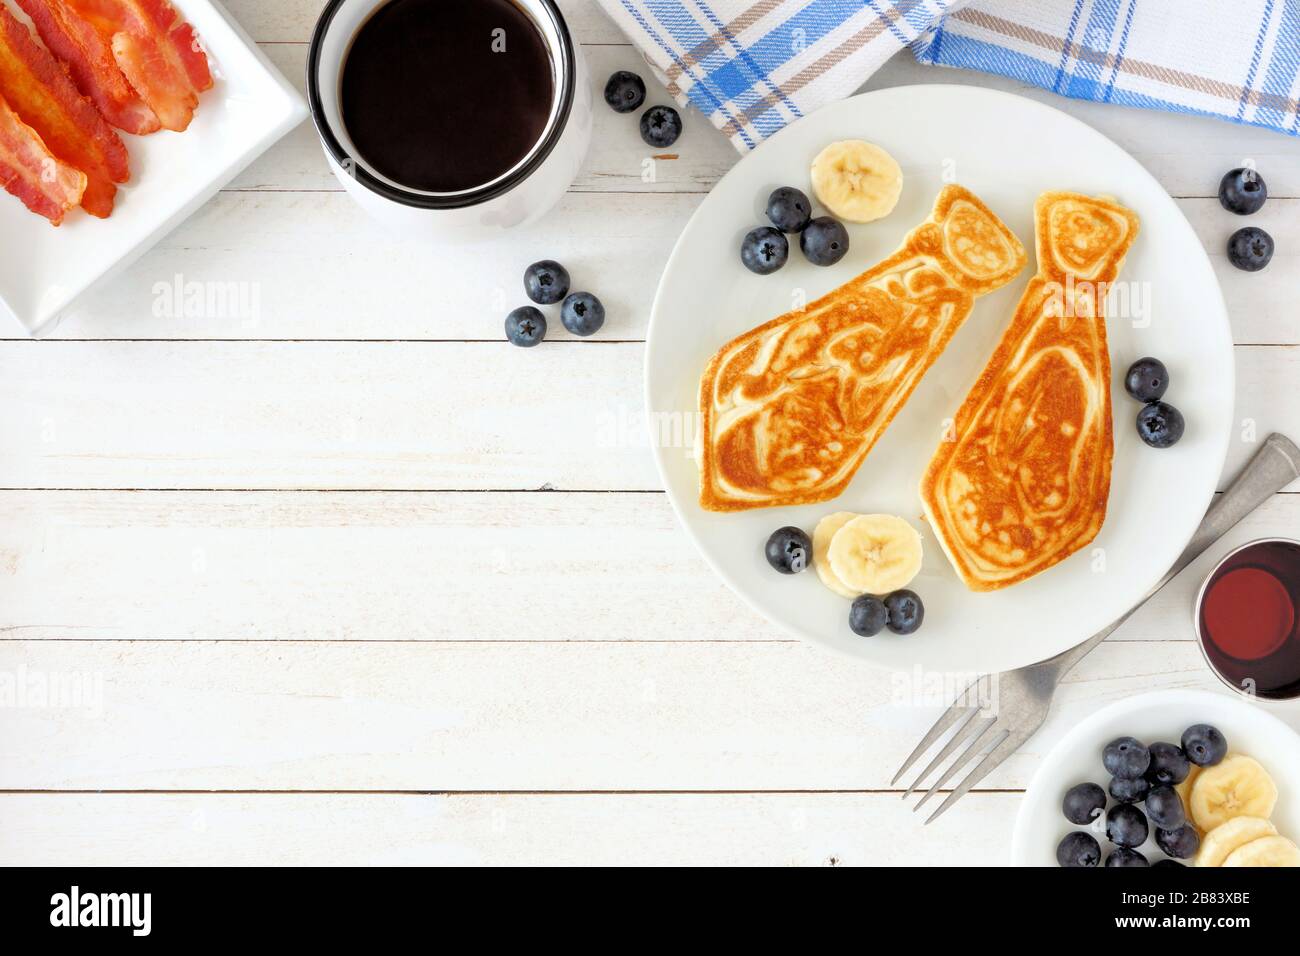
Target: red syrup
(1248,619)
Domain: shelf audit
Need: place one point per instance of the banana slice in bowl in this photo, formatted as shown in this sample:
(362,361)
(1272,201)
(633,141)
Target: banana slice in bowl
(1238,786)
(1219,843)
(1266,851)
(857,181)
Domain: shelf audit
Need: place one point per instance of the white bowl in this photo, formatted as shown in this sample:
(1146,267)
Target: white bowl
(1162,715)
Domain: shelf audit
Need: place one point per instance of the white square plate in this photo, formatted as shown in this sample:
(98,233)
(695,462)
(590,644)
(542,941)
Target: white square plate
(45,270)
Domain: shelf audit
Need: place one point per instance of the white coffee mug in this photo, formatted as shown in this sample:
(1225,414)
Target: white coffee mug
(520,195)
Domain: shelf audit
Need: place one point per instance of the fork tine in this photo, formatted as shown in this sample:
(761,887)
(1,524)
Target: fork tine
(966,756)
(949,717)
(964,730)
(1001,750)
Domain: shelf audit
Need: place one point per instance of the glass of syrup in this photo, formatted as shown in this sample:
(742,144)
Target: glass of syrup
(1248,619)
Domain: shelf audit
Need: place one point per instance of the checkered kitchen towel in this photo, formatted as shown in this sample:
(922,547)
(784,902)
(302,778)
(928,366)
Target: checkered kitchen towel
(752,66)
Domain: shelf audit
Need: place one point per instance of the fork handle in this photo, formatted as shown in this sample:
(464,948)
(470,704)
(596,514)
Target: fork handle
(1273,467)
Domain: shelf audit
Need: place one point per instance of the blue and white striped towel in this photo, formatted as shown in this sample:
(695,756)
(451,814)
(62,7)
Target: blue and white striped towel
(753,66)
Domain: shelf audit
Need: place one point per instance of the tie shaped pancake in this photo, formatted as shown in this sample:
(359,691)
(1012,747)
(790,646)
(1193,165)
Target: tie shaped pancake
(1025,479)
(789,410)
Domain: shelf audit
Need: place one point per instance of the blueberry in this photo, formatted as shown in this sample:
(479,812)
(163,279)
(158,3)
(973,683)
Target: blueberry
(1165,808)
(1204,745)
(1250,248)
(1123,856)
(1083,803)
(1169,863)
(1147,379)
(546,282)
(1160,425)
(1242,191)
(789,209)
(764,250)
(868,615)
(1078,849)
(824,241)
(1126,826)
(624,91)
(788,550)
(660,126)
(582,313)
(1169,765)
(906,612)
(1181,842)
(1129,789)
(525,326)
(1126,757)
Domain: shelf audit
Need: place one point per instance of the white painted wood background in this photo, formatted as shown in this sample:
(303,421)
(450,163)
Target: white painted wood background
(354,581)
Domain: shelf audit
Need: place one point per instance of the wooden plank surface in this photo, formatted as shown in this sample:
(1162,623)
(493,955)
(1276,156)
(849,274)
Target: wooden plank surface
(526,716)
(785,829)
(393,566)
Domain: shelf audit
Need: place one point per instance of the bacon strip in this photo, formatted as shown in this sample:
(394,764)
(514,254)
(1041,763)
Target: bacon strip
(31,172)
(42,94)
(90,61)
(157,52)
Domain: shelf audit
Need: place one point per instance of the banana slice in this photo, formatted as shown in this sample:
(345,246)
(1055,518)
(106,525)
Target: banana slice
(857,181)
(875,554)
(1266,851)
(1237,787)
(822,535)
(1219,843)
(1184,790)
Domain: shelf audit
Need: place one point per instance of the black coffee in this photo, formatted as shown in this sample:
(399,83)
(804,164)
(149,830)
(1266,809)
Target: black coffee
(445,95)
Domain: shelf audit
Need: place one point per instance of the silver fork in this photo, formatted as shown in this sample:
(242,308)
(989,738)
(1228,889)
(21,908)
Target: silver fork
(1024,696)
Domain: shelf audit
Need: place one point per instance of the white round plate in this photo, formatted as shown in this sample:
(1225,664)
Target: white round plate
(1162,715)
(1007,150)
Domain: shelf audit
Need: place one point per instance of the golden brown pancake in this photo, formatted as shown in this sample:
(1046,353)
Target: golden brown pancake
(1024,481)
(790,409)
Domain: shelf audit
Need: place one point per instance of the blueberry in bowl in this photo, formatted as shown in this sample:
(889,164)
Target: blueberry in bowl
(546,282)
(1165,808)
(1147,379)
(660,126)
(1181,843)
(789,209)
(1078,849)
(1083,803)
(582,313)
(1160,425)
(1250,249)
(624,91)
(1204,745)
(764,250)
(1242,190)
(1125,856)
(788,550)
(1126,826)
(1126,757)
(1129,789)
(824,241)
(525,326)
(1169,765)
(868,615)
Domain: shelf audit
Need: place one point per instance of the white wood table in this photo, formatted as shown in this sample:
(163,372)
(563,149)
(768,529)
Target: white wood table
(346,578)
